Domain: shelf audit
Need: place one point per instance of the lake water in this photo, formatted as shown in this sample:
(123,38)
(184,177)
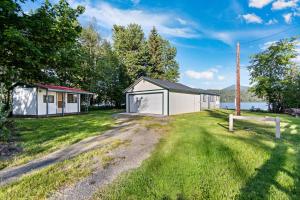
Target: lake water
(246,105)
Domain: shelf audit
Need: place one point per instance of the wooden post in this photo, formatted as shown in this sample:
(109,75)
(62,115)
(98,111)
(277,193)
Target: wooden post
(230,122)
(238,86)
(277,120)
(78,97)
(47,104)
(63,104)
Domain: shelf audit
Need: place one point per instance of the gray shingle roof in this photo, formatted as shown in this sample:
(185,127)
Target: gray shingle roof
(176,87)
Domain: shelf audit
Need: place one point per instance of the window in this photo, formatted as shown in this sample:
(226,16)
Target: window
(72,98)
(204,98)
(50,98)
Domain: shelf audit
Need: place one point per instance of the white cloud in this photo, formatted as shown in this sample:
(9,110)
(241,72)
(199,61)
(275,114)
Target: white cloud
(252,18)
(208,75)
(259,3)
(135,2)
(272,21)
(282,4)
(288,18)
(297,59)
(106,16)
(181,21)
(221,78)
(267,44)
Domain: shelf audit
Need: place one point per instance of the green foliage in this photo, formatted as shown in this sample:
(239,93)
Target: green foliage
(49,45)
(274,74)
(130,46)
(40,46)
(101,70)
(154,57)
(162,63)
(6,124)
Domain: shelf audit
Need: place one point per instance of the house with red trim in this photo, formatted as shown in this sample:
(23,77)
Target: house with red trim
(44,100)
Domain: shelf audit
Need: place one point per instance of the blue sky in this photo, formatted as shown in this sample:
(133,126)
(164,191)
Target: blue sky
(204,32)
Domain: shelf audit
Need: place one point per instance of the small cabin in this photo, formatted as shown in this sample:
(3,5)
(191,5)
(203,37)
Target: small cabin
(43,100)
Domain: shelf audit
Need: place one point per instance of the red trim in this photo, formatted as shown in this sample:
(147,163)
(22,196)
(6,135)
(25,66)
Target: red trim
(59,88)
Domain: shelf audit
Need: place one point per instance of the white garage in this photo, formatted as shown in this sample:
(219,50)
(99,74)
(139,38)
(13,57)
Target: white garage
(154,96)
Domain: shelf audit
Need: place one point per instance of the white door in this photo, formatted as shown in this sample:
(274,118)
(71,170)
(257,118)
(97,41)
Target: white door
(146,103)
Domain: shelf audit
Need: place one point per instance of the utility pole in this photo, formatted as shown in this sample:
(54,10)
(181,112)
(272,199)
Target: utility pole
(238,86)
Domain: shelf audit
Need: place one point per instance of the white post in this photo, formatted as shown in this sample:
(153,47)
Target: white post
(277,120)
(230,122)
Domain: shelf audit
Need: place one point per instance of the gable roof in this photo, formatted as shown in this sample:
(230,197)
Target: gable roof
(50,87)
(62,88)
(171,86)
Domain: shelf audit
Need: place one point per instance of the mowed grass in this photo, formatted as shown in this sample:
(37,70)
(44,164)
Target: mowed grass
(44,183)
(41,136)
(199,159)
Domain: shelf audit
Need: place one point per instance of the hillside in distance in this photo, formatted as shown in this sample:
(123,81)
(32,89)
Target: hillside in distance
(228,94)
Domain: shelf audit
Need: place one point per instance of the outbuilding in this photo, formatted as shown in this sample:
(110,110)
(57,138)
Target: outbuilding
(155,96)
(43,100)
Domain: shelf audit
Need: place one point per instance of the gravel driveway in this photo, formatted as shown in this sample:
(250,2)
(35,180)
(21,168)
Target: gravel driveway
(126,157)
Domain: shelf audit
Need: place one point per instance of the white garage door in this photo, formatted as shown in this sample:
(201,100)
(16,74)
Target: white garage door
(146,103)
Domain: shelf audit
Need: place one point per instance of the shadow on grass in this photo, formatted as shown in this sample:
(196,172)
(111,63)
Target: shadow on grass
(258,186)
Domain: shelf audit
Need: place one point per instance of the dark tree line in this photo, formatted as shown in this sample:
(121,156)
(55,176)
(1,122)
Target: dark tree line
(49,45)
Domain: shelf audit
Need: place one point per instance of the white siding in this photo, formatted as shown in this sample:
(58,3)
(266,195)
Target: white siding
(24,101)
(146,103)
(165,99)
(183,103)
(43,106)
(209,102)
(72,107)
(144,85)
(204,101)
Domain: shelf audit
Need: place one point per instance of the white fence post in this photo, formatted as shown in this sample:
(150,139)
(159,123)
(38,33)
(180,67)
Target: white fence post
(277,120)
(230,122)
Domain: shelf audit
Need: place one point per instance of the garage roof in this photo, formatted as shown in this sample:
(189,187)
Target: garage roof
(171,86)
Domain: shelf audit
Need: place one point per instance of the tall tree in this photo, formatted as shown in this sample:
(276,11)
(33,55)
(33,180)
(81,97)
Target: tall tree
(113,77)
(101,70)
(130,46)
(270,71)
(156,51)
(38,46)
(162,58)
(90,42)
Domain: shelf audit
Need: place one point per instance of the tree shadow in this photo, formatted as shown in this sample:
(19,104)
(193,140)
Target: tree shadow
(258,187)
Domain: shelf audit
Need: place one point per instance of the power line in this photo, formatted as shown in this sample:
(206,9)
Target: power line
(268,36)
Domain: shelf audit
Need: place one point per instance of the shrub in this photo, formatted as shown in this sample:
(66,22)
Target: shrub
(6,124)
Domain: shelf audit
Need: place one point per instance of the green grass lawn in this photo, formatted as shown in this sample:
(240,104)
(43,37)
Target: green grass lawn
(45,182)
(41,136)
(199,159)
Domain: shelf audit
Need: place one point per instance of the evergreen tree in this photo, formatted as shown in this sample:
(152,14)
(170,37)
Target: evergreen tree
(130,46)
(162,62)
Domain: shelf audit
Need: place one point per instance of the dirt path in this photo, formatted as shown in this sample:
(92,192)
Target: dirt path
(126,157)
(14,173)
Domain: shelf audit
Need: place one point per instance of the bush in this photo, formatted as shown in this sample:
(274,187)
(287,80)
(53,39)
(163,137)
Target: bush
(6,124)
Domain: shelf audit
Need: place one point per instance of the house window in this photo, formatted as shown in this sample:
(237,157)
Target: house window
(204,98)
(50,98)
(72,98)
